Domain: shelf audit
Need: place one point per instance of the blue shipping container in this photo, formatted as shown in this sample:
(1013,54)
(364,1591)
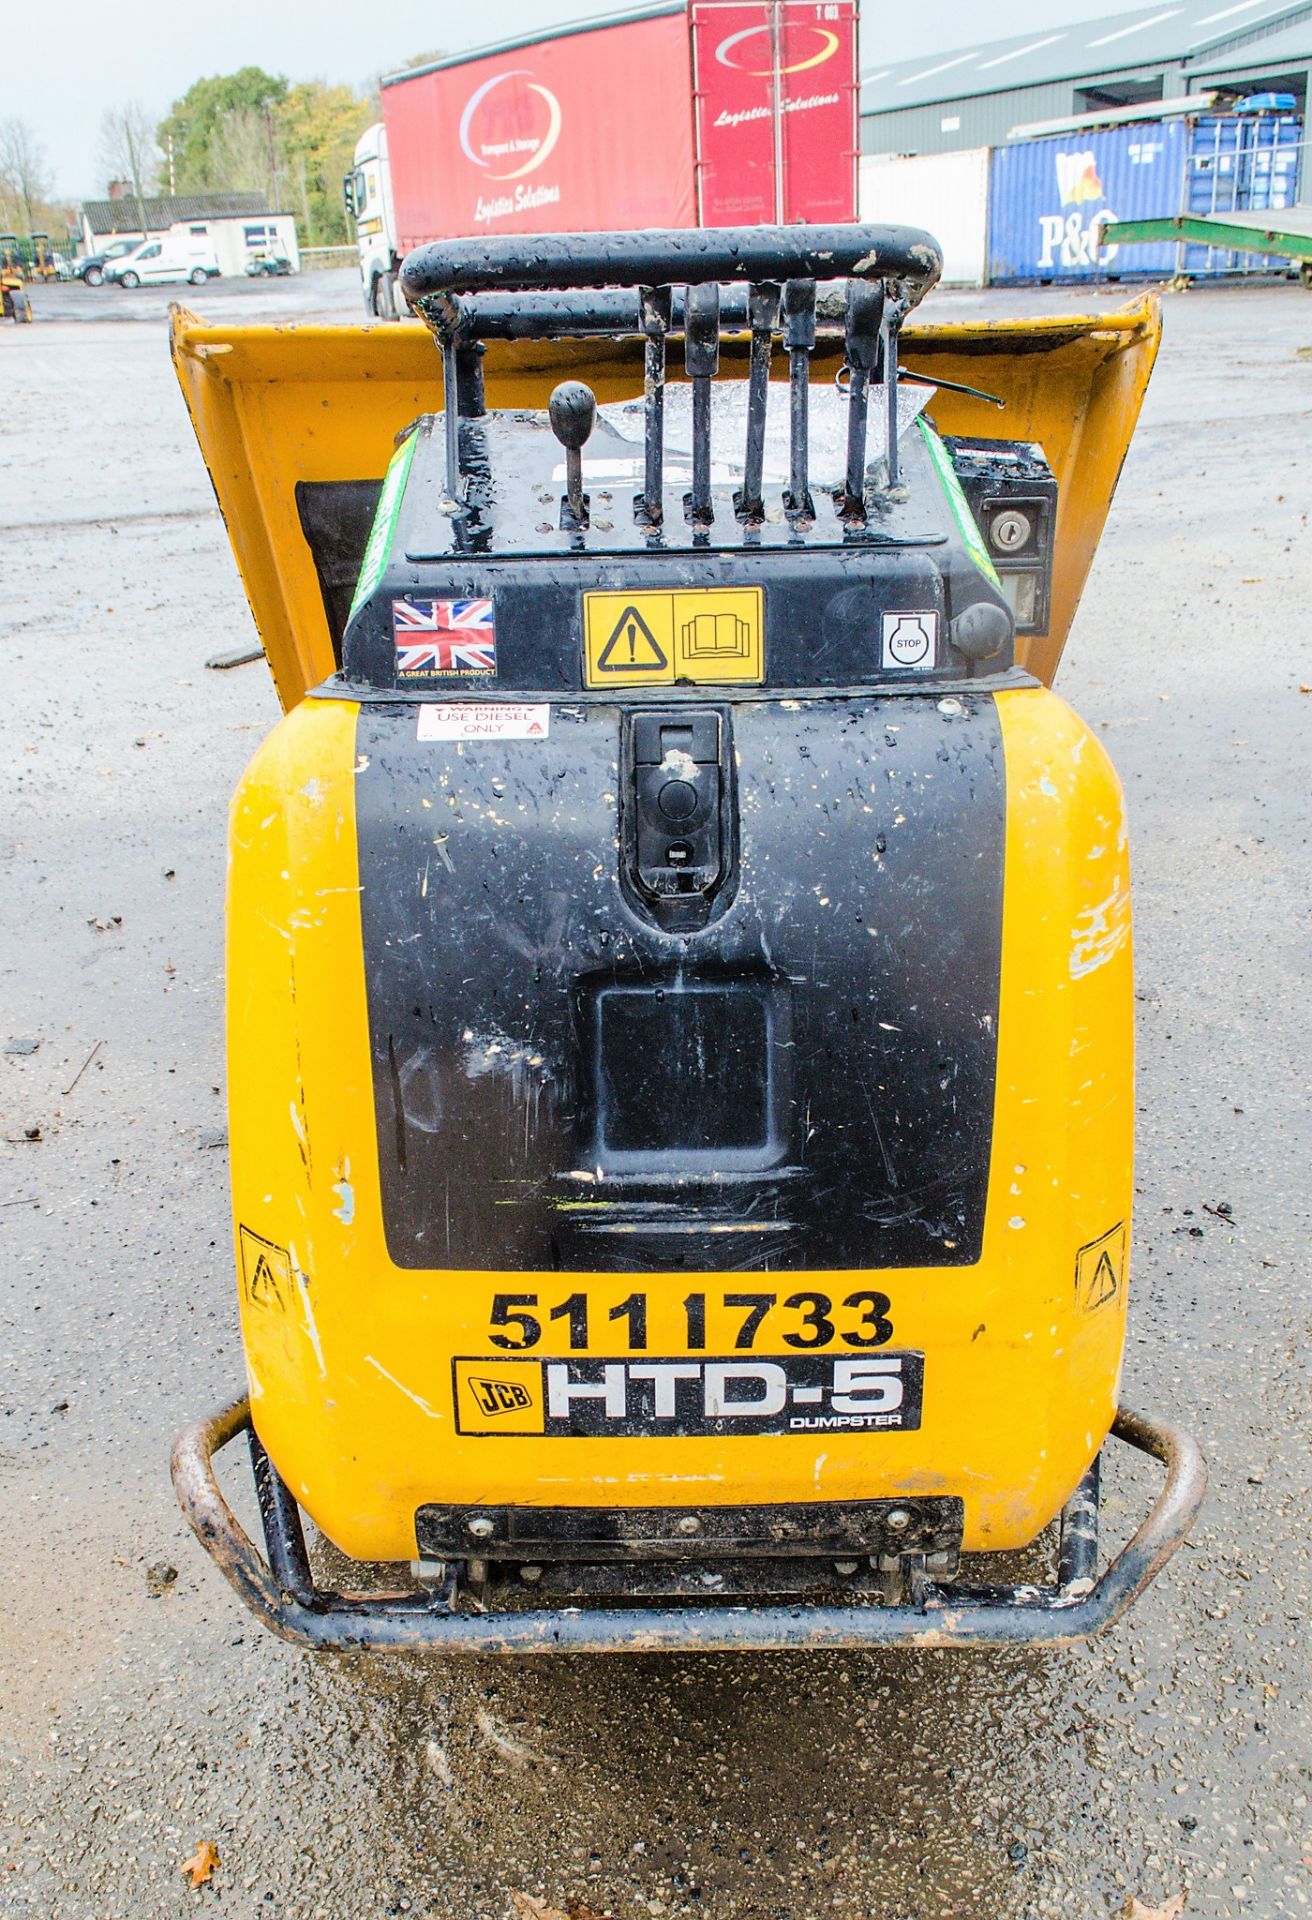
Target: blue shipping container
(1046,198)
(1240,162)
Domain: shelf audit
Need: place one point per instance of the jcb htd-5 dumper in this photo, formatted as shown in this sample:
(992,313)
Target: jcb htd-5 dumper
(679,978)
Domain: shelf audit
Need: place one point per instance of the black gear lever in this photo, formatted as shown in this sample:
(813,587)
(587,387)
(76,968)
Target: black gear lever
(865,319)
(701,359)
(799,339)
(572,409)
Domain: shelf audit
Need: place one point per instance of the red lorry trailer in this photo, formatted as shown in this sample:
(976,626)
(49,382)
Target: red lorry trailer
(719,112)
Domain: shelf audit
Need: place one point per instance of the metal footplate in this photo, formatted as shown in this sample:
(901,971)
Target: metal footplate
(496,1554)
(912,1609)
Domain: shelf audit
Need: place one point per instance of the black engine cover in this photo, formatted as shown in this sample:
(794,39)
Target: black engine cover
(804,1080)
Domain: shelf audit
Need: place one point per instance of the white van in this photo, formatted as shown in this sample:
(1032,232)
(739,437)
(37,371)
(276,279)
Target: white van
(179,254)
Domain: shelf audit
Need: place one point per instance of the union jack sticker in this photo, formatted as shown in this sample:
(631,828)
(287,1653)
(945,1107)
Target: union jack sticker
(444,637)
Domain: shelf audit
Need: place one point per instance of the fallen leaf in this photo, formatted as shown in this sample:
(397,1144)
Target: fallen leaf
(159,1578)
(532,1908)
(504,1742)
(1171,1911)
(202,1863)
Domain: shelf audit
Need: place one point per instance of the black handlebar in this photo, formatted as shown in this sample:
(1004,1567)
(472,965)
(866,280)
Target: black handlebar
(691,257)
(537,286)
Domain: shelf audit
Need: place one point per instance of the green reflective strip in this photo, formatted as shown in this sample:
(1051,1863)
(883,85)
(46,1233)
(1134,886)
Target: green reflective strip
(380,534)
(958,502)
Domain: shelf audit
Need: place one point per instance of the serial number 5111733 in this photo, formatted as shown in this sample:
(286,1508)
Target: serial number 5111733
(805,1320)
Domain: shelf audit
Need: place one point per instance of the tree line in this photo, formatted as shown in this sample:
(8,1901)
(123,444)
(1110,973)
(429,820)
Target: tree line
(27,202)
(257,132)
(249,131)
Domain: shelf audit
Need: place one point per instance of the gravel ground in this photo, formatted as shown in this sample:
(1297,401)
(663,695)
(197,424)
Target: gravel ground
(1174,1755)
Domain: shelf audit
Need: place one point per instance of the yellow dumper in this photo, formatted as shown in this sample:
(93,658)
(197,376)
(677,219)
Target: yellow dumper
(679,974)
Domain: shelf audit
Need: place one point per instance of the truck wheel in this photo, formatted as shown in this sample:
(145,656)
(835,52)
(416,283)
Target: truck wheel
(129,279)
(198,276)
(94,276)
(383,301)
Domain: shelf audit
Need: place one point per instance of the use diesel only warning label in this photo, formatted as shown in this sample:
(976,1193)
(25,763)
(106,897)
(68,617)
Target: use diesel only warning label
(792,1393)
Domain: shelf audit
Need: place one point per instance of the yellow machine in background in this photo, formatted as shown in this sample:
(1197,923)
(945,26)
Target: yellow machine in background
(14,299)
(679,971)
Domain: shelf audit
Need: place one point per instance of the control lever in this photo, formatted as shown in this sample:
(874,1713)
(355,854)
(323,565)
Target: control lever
(763,311)
(896,307)
(654,308)
(799,339)
(701,357)
(865,316)
(450,321)
(948,386)
(572,409)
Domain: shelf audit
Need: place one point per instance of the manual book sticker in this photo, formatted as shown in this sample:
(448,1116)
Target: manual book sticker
(707,635)
(463,720)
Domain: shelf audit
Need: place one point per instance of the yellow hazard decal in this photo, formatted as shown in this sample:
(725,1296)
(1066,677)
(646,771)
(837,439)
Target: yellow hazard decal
(498,1396)
(1100,1270)
(266,1272)
(707,635)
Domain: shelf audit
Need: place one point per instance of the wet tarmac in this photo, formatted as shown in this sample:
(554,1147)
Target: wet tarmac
(136,1722)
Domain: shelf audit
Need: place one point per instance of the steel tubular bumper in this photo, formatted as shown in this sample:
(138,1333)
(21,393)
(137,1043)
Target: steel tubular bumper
(1056,1616)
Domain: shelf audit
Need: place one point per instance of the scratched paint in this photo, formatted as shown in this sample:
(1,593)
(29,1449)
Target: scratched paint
(417,1399)
(1100,931)
(345,1208)
(309,1323)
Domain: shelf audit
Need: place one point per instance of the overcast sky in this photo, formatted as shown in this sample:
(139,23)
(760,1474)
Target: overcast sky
(80,56)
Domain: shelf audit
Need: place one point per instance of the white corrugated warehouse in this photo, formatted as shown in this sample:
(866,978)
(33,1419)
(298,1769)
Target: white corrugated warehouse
(979,96)
(947,193)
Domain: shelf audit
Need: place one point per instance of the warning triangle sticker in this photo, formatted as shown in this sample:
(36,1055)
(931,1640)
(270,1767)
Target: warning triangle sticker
(1104,1282)
(632,647)
(264,1283)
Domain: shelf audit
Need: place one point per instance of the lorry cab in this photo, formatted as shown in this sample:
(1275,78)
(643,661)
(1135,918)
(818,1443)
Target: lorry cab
(174,256)
(367,193)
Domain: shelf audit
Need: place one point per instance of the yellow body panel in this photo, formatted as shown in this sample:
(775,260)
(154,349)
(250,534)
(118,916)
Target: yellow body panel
(350,1356)
(272,406)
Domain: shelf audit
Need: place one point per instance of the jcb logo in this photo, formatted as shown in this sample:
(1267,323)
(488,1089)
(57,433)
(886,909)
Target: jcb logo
(499,1396)
(494,1396)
